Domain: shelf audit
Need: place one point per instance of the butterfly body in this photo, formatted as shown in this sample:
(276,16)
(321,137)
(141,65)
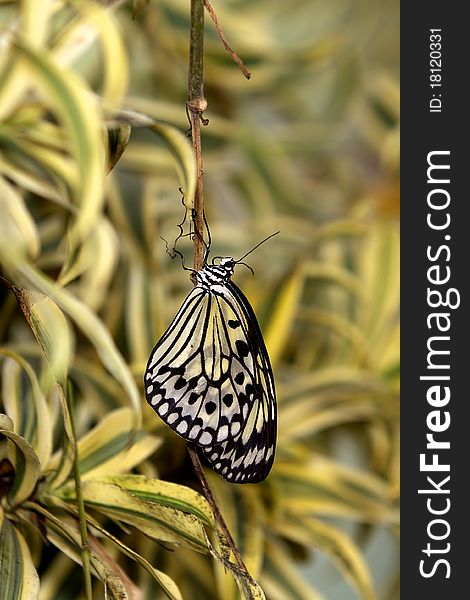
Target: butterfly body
(209,378)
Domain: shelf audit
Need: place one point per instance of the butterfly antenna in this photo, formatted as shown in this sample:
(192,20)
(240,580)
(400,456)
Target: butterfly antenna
(245,265)
(257,246)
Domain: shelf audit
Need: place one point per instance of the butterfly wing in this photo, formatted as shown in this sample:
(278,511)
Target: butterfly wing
(209,378)
(248,457)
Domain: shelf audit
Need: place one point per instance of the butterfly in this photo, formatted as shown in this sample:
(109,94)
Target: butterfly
(210,379)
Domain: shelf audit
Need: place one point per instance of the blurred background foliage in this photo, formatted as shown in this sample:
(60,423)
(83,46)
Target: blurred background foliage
(92,153)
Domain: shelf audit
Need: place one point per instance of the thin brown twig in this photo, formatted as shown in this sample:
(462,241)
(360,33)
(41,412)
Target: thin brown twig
(195,118)
(234,56)
(85,549)
(215,508)
(196,105)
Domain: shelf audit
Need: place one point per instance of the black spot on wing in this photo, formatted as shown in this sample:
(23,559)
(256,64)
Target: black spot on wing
(243,349)
(210,407)
(180,383)
(193,398)
(228,400)
(192,383)
(240,377)
(163,370)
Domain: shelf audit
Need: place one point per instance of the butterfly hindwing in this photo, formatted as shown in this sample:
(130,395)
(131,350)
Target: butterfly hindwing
(209,378)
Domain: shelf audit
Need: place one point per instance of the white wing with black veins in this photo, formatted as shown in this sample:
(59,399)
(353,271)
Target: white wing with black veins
(209,378)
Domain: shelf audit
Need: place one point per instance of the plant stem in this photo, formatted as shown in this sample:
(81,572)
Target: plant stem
(215,509)
(234,56)
(196,105)
(80,502)
(196,51)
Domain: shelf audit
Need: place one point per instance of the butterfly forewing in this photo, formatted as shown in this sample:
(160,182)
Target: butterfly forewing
(209,378)
(248,457)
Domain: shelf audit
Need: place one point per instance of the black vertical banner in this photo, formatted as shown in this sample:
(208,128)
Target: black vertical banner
(435,158)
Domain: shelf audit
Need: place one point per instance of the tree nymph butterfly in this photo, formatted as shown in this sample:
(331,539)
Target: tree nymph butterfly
(210,379)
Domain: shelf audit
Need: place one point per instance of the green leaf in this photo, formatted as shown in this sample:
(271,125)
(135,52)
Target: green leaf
(50,329)
(24,460)
(18,233)
(18,577)
(284,313)
(95,22)
(325,487)
(35,20)
(165,493)
(51,332)
(176,142)
(64,534)
(379,269)
(281,579)
(91,325)
(168,586)
(335,544)
(81,117)
(105,449)
(249,589)
(162,523)
(95,264)
(33,420)
(118,138)
(30,181)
